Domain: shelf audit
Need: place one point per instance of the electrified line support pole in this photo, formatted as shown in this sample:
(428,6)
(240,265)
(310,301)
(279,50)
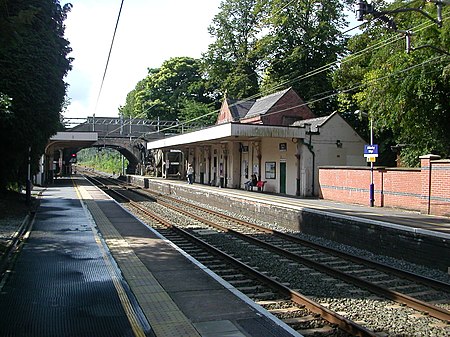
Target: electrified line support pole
(362,8)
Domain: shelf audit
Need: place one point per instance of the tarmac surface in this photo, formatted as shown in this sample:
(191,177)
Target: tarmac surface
(60,284)
(90,268)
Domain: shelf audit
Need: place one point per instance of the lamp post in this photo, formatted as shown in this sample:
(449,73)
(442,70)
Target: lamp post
(372,156)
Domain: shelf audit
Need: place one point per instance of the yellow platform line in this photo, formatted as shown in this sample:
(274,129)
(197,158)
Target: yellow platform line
(124,300)
(164,316)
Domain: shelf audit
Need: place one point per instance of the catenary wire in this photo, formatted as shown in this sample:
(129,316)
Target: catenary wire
(329,96)
(312,73)
(379,45)
(109,56)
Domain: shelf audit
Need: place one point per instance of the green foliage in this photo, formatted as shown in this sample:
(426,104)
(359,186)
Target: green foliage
(303,36)
(5,104)
(106,160)
(174,91)
(33,63)
(262,46)
(257,42)
(406,94)
(232,60)
(198,113)
(134,104)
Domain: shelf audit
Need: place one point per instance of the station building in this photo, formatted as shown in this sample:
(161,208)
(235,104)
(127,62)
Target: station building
(276,137)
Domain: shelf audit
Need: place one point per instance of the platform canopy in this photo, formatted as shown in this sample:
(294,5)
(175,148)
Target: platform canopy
(229,132)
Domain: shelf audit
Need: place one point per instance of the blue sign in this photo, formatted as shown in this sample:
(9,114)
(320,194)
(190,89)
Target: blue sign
(371,150)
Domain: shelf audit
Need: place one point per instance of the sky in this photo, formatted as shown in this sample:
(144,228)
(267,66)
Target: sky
(149,32)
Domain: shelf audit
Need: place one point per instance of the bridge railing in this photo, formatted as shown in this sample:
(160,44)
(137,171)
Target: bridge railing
(128,127)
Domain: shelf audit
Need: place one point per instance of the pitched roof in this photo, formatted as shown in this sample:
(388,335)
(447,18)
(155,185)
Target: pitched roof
(263,104)
(316,123)
(239,109)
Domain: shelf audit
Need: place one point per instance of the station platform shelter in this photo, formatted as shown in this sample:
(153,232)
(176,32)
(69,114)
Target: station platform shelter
(276,137)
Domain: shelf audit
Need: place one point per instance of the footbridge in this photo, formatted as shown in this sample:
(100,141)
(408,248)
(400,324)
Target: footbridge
(129,136)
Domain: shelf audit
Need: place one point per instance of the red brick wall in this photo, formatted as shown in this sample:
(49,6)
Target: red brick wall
(435,185)
(426,189)
(440,189)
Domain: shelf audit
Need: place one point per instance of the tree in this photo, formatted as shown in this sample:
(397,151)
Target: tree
(33,63)
(232,60)
(133,105)
(303,36)
(197,113)
(405,94)
(5,103)
(176,90)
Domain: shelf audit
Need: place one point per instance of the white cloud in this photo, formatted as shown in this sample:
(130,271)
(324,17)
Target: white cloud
(149,32)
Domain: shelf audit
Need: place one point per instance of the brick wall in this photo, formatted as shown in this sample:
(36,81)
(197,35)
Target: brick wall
(426,189)
(440,188)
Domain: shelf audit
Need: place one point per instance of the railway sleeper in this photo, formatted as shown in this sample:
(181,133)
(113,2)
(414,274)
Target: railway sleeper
(387,282)
(216,265)
(376,276)
(230,274)
(303,319)
(242,282)
(262,296)
(210,258)
(423,293)
(196,251)
(316,331)
(286,310)
(248,289)
(277,304)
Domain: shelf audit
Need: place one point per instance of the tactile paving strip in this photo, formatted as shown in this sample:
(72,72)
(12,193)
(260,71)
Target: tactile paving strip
(163,314)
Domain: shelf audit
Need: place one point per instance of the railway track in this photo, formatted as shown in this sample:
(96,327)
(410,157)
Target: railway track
(316,263)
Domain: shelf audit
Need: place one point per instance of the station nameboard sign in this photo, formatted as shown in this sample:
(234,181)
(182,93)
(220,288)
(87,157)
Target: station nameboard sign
(371,150)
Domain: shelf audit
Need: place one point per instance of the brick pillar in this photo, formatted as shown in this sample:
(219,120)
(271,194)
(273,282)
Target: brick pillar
(425,177)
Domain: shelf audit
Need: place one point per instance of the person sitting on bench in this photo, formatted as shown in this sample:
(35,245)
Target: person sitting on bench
(251,183)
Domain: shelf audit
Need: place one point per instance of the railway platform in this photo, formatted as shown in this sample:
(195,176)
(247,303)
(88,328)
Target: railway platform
(408,235)
(90,268)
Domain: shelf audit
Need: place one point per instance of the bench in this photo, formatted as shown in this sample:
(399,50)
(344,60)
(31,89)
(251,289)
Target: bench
(260,185)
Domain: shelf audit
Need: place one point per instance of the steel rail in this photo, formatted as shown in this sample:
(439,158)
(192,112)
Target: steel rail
(290,237)
(438,285)
(330,316)
(412,302)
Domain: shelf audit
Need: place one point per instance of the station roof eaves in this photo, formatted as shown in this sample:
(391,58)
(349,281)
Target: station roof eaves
(228,132)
